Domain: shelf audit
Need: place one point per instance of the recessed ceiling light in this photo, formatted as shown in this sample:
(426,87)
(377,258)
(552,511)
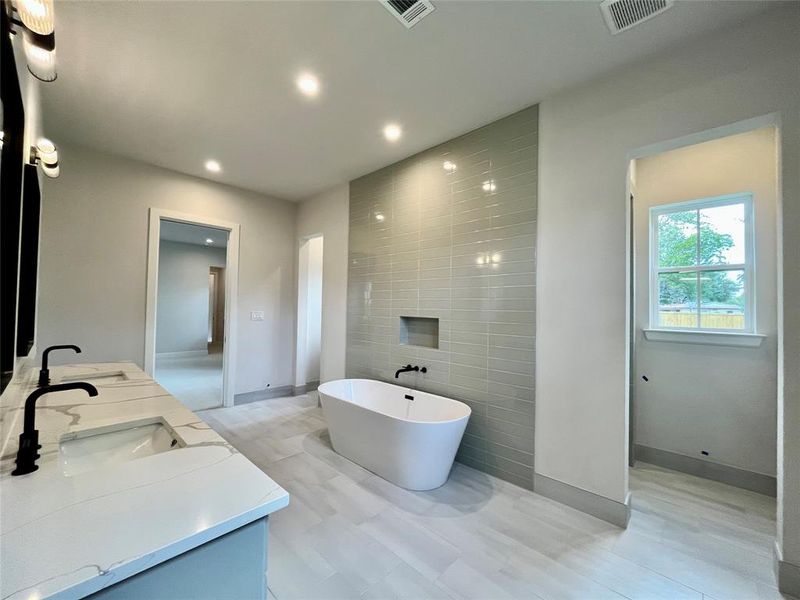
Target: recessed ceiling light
(308,84)
(209,241)
(449,166)
(392,132)
(213,166)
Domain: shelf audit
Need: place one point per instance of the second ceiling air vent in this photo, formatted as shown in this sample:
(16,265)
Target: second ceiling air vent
(621,15)
(408,12)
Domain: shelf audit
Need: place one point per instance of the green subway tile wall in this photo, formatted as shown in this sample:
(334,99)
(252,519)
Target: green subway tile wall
(450,233)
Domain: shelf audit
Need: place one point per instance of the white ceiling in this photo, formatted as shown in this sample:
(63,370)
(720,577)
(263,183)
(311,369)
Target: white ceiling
(176,83)
(193,234)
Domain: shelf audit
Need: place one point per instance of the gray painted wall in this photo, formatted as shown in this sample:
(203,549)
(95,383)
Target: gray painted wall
(93,262)
(182,315)
(586,135)
(457,246)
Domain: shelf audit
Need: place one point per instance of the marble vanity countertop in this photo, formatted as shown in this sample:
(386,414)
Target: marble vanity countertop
(69,536)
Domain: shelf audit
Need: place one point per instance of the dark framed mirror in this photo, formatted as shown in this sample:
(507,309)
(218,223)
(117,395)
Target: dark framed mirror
(11,167)
(28,260)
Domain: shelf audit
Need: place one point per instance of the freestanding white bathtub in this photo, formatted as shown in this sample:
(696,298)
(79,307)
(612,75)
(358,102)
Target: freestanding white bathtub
(407,437)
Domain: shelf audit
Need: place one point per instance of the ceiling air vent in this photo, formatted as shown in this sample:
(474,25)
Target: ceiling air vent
(409,12)
(624,14)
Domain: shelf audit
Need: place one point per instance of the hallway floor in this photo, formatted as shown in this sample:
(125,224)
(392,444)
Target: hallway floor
(194,380)
(350,534)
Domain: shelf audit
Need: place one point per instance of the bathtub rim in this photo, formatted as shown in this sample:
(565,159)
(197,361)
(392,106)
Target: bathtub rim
(383,414)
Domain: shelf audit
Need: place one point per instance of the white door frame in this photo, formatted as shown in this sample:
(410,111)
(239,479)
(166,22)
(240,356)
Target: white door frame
(231,292)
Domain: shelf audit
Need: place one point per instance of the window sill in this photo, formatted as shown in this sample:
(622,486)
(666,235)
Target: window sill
(710,338)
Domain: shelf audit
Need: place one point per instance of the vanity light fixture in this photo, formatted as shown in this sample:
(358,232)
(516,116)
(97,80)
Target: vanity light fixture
(45,154)
(449,166)
(392,132)
(36,19)
(489,186)
(213,166)
(308,85)
(41,62)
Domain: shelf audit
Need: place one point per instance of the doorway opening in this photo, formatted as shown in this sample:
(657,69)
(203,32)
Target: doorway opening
(309,315)
(703,259)
(216,309)
(191,317)
(189,330)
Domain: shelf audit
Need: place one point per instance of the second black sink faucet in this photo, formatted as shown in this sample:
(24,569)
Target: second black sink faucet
(29,438)
(44,374)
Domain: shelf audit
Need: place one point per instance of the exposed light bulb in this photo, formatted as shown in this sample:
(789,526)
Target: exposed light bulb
(37,15)
(46,150)
(47,155)
(392,132)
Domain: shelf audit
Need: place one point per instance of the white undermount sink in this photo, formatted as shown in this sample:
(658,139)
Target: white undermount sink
(97,378)
(90,449)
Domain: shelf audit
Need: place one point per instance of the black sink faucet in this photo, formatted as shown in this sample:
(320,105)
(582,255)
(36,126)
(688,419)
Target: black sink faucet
(44,374)
(29,438)
(409,368)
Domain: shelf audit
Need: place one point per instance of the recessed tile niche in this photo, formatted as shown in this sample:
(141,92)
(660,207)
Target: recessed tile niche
(419,331)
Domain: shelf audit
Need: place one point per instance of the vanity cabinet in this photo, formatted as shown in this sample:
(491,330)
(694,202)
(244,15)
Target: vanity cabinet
(231,567)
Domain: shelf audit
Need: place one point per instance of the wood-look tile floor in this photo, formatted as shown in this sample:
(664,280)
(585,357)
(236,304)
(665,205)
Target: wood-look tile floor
(349,534)
(194,380)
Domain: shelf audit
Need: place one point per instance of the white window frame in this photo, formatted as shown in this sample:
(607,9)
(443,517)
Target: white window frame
(748,266)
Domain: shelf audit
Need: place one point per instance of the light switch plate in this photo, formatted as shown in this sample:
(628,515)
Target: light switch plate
(256,315)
